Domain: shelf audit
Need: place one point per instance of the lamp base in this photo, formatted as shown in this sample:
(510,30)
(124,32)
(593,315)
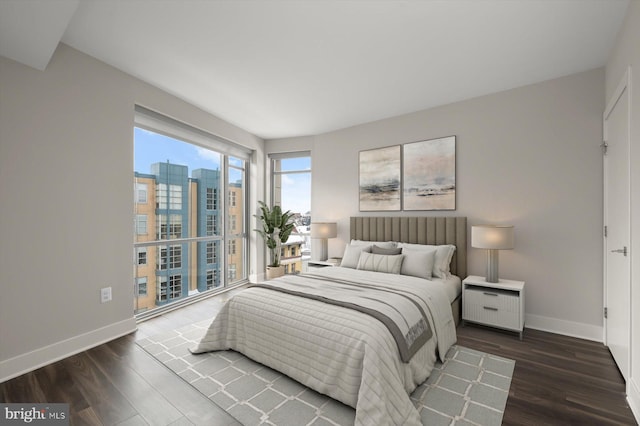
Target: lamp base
(492,266)
(319,249)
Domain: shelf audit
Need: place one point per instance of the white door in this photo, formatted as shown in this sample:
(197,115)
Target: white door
(617,215)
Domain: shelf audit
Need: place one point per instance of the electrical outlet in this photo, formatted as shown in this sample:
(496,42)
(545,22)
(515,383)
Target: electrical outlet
(105,295)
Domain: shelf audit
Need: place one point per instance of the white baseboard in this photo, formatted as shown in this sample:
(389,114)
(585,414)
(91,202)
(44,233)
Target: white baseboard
(21,364)
(564,327)
(633,397)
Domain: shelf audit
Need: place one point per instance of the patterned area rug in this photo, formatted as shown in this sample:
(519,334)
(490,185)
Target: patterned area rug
(469,388)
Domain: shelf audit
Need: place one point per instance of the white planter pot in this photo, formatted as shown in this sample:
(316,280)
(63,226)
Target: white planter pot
(275,272)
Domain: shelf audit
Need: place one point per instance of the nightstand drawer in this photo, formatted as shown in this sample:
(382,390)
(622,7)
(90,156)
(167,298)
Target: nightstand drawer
(492,307)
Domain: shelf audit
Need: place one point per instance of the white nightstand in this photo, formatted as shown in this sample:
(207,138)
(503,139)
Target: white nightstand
(498,304)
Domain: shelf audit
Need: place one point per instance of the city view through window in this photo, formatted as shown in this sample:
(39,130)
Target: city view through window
(190,213)
(291,189)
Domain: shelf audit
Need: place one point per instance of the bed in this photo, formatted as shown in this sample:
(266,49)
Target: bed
(327,339)
(421,230)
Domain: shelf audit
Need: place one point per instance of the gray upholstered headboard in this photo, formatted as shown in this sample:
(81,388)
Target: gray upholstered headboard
(417,230)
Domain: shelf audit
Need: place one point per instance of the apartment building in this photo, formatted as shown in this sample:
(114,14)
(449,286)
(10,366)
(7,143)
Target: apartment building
(179,234)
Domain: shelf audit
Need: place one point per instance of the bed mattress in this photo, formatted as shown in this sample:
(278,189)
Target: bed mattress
(451,285)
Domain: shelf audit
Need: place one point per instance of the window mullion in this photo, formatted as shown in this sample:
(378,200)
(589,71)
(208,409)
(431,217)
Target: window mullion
(224,208)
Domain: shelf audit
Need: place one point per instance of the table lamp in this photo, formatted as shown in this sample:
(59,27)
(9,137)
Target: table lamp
(322,231)
(492,238)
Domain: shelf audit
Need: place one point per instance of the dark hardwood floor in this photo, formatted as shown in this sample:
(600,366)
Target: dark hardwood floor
(558,380)
(118,383)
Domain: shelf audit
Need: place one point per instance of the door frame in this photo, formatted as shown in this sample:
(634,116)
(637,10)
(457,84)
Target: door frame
(624,84)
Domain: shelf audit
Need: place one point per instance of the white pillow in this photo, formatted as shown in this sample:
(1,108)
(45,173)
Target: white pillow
(444,253)
(418,263)
(352,255)
(390,264)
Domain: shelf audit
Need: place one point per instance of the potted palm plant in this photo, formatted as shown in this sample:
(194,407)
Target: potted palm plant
(276,228)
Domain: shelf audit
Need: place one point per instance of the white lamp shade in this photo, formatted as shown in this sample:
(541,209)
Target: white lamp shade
(324,230)
(492,237)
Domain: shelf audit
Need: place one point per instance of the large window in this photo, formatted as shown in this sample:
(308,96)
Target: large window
(291,190)
(171,198)
(190,212)
(171,229)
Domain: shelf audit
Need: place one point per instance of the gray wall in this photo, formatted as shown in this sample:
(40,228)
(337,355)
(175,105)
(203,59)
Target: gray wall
(528,157)
(66,202)
(627,54)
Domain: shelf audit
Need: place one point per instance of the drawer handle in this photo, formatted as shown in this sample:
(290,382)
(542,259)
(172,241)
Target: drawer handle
(488,308)
(489,294)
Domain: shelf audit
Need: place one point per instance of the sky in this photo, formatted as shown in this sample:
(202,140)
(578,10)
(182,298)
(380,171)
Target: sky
(296,193)
(154,148)
(296,187)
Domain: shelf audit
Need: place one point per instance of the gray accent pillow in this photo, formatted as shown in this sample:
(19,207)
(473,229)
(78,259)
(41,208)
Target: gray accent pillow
(352,255)
(418,263)
(380,263)
(383,250)
(383,244)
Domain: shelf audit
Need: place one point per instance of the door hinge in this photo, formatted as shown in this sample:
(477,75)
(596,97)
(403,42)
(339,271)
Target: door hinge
(606,230)
(604,145)
(605,312)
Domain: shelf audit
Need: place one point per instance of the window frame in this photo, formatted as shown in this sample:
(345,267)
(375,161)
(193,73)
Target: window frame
(142,193)
(142,256)
(140,218)
(275,198)
(221,200)
(273,157)
(139,285)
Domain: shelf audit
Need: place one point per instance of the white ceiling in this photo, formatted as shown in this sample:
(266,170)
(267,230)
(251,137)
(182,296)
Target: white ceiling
(287,68)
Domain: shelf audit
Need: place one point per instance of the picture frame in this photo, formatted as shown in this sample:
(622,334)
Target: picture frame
(380,179)
(429,174)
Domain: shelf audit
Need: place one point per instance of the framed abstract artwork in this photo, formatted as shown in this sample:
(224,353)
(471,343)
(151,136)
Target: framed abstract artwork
(429,174)
(379,171)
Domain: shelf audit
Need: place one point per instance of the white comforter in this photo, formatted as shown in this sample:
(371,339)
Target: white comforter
(337,351)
